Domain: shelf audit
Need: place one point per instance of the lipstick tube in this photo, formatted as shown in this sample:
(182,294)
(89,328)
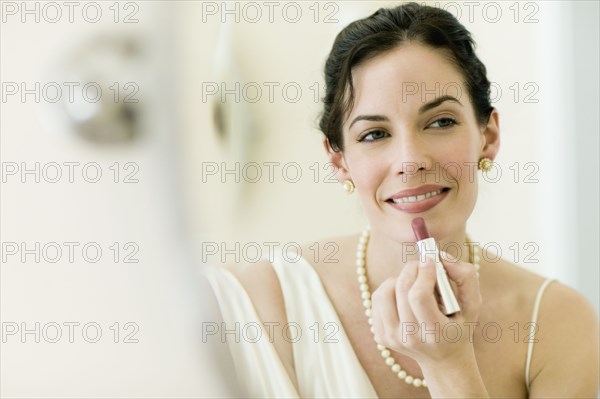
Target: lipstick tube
(428,247)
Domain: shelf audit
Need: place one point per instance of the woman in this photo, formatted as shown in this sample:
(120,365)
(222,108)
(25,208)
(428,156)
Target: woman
(407,101)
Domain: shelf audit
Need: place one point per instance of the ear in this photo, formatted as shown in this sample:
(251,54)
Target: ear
(337,159)
(491,136)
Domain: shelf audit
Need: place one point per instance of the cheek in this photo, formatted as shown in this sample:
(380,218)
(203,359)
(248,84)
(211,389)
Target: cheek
(458,158)
(366,174)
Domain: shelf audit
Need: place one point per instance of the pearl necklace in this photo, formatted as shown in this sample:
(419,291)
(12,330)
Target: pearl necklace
(361,271)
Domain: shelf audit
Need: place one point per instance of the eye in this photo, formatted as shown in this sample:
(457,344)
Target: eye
(443,123)
(373,135)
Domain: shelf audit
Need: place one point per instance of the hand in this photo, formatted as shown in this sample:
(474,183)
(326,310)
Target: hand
(407,318)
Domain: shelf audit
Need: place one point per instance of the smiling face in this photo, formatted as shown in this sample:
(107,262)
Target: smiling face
(412,126)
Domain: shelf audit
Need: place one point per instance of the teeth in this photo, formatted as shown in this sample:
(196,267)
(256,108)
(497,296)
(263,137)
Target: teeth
(417,198)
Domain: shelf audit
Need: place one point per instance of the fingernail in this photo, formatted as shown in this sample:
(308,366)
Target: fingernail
(446,256)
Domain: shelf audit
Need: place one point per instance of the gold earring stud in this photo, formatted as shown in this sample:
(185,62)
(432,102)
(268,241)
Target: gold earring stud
(485,164)
(349,186)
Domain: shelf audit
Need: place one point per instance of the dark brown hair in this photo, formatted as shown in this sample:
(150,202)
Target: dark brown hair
(385,30)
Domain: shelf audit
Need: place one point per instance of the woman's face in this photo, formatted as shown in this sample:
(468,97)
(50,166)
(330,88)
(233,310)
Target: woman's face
(412,126)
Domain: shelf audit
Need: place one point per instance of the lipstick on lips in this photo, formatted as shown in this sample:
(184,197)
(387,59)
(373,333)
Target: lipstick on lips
(428,247)
(419,199)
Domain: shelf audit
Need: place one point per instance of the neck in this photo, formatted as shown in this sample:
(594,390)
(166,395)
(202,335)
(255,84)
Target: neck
(386,257)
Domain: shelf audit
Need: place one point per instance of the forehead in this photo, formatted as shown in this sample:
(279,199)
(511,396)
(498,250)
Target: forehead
(409,75)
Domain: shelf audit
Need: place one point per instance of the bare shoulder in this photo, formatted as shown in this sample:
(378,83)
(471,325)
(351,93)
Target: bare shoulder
(567,345)
(508,286)
(565,352)
(504,279)
(262,286)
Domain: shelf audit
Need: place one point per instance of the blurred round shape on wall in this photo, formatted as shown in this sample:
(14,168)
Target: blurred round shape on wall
(102,99)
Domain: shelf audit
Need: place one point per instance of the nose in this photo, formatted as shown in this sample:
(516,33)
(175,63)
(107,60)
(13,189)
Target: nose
(411,153)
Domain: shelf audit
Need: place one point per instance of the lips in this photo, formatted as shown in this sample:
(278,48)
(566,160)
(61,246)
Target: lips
(419,199)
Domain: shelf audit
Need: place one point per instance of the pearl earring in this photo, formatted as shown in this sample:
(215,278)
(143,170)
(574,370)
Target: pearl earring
(349,186)
(485,164)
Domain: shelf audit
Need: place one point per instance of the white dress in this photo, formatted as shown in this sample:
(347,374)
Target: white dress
(325,362)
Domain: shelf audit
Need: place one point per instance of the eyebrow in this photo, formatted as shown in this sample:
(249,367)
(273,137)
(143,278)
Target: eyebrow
(424,108)
(437,102)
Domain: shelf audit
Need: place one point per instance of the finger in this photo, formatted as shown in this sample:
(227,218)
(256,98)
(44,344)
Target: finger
(404,283)
(464,275)
(384,314)
(422,294)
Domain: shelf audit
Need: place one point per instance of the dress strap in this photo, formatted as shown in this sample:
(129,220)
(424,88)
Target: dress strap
(536,305)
